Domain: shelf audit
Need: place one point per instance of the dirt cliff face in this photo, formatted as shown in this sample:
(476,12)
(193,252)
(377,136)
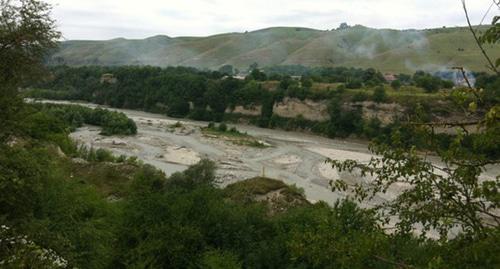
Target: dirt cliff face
(246,110)
(310,110)
(385,112)
(318,110)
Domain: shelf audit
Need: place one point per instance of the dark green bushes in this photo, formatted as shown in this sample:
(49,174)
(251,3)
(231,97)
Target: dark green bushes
(429,82)
(490,85)
(65,216)
(379,95)
(111,122)
(354,78)
(180,225)
(396,84)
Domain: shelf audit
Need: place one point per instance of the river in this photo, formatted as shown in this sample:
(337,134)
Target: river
(293,157)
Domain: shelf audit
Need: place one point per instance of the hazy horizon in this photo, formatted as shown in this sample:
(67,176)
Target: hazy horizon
(253,30)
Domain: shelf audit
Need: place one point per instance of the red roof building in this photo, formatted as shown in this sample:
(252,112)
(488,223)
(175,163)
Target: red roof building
(390,77)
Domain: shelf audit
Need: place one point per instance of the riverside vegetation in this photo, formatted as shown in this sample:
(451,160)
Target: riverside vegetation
(64,207)
(210,95)
(233,135)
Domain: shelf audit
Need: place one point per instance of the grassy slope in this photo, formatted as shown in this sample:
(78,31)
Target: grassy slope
(387,50)
(278,196)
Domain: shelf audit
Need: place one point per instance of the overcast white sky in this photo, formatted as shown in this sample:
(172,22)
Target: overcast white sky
(106,19)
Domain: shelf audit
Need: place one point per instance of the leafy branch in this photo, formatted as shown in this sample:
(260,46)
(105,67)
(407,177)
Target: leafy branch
(480,41)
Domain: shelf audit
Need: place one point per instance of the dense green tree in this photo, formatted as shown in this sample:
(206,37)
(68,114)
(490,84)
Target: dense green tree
(343,26)
(296,91)
(258,75)
(343,122)
(372,128)
(404,78)
(372,77)
(349,235)
(217,259)
(379,94)
(216,98)
(427,82)
(306,82)
(490,85)
(354,83)
(178,107)
(227,69)
(26,34)
(250,93)
(285,82)
(396,84)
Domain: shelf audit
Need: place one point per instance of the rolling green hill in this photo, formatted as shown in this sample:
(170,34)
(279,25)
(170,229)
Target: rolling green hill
(358,46)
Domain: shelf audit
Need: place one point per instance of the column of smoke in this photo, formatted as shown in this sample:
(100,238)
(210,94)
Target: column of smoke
(419,44)
(456,76)
(413,40)
(373,42)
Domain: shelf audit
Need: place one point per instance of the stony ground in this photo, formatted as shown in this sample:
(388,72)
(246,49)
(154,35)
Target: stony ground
(295,158)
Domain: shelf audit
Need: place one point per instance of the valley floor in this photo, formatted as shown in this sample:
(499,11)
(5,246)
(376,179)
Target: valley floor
(295,158)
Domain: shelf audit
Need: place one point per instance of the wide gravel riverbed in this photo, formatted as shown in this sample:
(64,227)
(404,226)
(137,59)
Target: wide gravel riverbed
(293,157)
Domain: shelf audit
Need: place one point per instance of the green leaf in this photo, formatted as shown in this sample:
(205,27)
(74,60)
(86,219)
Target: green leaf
(473,107)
